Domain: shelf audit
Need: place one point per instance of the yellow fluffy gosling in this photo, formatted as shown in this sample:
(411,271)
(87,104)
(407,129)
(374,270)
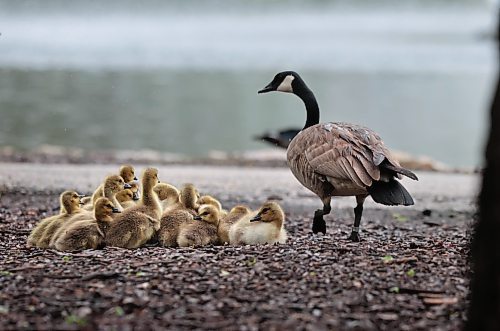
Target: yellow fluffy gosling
(264,227)
(226,222)
(136,225)
(202,230)
(126,198)
(71,202)
(88,234)
(65,203)
(168,195)
(127,173)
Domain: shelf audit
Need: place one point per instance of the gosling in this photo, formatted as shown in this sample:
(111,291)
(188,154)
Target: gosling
(66,211)
(88,234)
(127,173)
(71,202)
(265,227)
(226,222)
(168,195)
(202,230)
(136,225)
(126,198)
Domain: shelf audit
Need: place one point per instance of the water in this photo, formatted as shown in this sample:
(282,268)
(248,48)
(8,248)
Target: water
(184,79)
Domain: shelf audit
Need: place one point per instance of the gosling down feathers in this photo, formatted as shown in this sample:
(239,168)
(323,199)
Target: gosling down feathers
(263,227)
(340,159)
(226,222)
(88,234)
(68,206)
(136,225)
(202,230)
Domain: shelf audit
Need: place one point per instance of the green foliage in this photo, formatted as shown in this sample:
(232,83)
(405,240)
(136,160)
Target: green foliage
(394,289)
(74,319)
(399,217)
(251,261)
(411,272)
(66,258)
(387,259)
(5,273)
(119,311)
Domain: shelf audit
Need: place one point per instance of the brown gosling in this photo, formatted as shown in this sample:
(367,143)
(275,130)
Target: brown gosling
(71,202)
(189,197)
(88,234)
(126,198)
(127,173)
(227,221)
(168,195)
(265,227)
(176,214)
(202,230)
(136,225)
(210,200)
(112,185)
(171,223)
(37,232)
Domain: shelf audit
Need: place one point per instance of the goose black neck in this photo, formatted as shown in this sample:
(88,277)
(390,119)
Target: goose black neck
(311,104)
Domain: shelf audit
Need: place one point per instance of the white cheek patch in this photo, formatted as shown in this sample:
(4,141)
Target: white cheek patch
(286,84)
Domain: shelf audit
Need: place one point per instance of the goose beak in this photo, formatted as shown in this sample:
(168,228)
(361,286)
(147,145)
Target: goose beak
(116,211)
(135,196)
(197,217)
(135,178)
(256,218)
(127,185)
(266,89)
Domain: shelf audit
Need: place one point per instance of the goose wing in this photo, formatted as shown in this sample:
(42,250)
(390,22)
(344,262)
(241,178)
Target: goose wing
(347,152)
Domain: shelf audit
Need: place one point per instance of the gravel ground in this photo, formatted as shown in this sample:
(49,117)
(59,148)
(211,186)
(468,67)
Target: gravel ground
(409,272)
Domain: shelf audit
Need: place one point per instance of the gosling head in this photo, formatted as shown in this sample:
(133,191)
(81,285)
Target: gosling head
(104,208)
(115,184)
(286,81)
(210,200)
(189,196)
(150,177)
(167,192)
(127,172)
(268,213)
(209,214)
(241,210)
(125,195)
(70,201)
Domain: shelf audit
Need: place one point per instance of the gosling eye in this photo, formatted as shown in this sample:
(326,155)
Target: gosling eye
(265,210)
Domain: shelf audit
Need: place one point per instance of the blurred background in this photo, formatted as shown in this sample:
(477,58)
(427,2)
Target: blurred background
(182,76)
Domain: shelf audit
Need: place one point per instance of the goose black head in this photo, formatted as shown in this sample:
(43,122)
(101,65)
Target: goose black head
(285,81)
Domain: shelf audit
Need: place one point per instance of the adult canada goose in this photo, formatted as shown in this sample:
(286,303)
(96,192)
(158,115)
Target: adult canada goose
(340,159)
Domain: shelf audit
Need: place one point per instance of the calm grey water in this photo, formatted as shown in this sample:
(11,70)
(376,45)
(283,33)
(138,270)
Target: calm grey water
(184,79)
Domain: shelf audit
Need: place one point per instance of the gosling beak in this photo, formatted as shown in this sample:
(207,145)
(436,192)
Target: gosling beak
(127,185)
(116,211)
(81,203)
(135,196)
(197,217)
(256,218)
(135,178)
(266,89)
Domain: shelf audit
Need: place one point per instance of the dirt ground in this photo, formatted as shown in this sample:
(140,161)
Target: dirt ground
(409,272)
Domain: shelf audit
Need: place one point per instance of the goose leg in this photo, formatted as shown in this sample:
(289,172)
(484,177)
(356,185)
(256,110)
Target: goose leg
(358,212)
(319,224)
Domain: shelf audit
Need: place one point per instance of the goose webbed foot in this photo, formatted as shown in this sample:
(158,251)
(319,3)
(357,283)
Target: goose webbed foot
(354,237)
(319,224)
